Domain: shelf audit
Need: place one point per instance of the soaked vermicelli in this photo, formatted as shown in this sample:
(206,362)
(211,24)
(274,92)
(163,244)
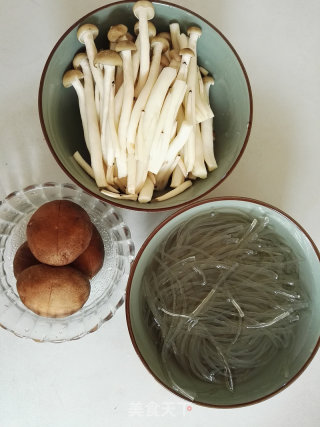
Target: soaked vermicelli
(223,295)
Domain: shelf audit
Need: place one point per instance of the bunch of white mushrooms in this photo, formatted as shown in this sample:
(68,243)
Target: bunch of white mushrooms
(145,110)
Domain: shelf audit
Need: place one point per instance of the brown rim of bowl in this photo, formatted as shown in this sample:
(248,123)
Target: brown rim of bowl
(110,200)
(128,291)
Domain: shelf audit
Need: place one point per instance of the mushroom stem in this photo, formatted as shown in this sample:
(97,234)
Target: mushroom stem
(82,107)
(120,196)
(164,174)
(84,165)
(186,55)
(146,192)
(125,48)
(144,11)
(160,146)
(199,169)
(86,34)
(175,35)
(158,46)
(177,177)
(180,189)
(207,132)
(155,101)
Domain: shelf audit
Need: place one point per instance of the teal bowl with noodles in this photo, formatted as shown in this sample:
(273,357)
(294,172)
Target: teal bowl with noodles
(230,98)
(223,302)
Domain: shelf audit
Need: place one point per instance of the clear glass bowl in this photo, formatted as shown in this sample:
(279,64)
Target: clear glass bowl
(107,287)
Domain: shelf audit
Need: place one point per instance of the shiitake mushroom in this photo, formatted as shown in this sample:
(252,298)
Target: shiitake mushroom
(91,260)
(58,232)
(23,259)
(53,291)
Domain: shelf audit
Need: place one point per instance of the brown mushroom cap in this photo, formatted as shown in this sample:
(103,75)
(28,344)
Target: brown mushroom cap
(160,40)
(165,35)
(125,45)
(79,57)
(143,6)
(152,31)
(174,55)
(23,259)
(87,29)
(194,30)
(70,77)
(53,291)
(58,232)
(91,260)
(164,61)
(186,52)
(107,57)
(117,31)
(203,71)
(208,80)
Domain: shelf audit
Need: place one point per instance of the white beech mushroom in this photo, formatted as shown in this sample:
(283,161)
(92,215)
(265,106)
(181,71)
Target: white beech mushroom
(86,34)
(114,34)
(183,41)
(160,146)
(199,169)
(159,45)
(155,101)
(203,110)
(175,59)
(172,154)
(145,195)
(164,174)
(207,131)
(179,174)
(93,134)
(109,60)
(175,34)
(116,31)
(72,78)
(144,11)
(125,48)
(186,55)
(203,71)
(180,189)
(88,169)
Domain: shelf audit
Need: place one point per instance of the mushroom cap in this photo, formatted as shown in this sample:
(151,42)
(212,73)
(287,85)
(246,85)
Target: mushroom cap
(126,36)
(107,57)
(143,6)
(85,29)
(166,35)
(125,45)
(160,40)
(152,31)
(116,31)
(81,56)
(174,55)
(208,80)
(71,76)
(164,61)
(194,30)
(203,71)
(186,52)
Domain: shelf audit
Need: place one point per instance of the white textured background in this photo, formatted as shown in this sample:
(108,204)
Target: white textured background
(99,381)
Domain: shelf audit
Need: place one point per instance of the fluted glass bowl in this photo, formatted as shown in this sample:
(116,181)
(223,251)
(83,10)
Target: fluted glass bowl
(107,287)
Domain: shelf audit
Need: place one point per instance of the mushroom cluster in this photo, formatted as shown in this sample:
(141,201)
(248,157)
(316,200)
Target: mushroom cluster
(145,110)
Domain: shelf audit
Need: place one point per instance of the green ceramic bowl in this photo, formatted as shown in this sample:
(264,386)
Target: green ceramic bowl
(273,377)
(230,98)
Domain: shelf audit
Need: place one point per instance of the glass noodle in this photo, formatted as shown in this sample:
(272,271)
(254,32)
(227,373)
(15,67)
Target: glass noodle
(223,297)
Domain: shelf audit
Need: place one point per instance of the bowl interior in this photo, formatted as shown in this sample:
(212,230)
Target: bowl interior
(230,97)
(272,377)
